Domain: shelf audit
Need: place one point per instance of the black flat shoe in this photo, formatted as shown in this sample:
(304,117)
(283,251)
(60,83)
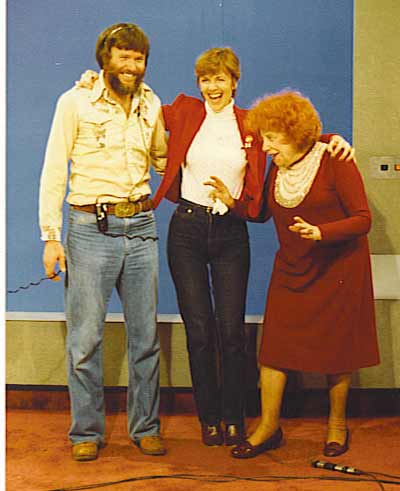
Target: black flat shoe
(234,435)
(247,451)
(212,435)
(333,449)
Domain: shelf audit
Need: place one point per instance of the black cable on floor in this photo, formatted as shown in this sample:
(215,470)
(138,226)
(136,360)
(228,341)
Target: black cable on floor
(369,477)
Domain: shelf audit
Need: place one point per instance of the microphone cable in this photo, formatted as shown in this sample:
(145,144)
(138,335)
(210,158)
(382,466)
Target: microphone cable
(345,469)
(34,283)
(218,478)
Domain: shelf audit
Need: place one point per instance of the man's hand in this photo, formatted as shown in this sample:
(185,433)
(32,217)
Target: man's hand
(338,144)
(220,191)
(305,230)
(53,253)
(87,80)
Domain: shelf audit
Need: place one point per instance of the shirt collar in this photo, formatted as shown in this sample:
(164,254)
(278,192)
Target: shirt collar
(99,89)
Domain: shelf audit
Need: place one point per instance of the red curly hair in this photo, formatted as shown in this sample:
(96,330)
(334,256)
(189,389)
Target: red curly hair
(287,112)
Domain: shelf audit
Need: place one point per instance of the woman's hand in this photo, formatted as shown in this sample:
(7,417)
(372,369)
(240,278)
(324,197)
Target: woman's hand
(87,80)
(220,191)
(338,144)
(305,230)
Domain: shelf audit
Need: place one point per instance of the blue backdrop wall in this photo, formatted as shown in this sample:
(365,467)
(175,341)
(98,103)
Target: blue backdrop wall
(304,44)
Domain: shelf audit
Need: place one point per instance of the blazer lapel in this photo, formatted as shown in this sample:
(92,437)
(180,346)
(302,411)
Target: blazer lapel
(191,127)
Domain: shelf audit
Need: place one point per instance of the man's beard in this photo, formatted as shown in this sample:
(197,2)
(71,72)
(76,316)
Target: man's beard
(121,88)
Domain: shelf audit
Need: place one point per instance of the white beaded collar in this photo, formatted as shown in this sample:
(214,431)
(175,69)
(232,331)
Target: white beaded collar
(294,183)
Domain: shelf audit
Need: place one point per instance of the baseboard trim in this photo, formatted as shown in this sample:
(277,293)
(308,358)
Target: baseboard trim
(177,400)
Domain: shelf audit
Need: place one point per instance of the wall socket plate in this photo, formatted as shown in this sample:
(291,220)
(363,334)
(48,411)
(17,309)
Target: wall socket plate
(384,167)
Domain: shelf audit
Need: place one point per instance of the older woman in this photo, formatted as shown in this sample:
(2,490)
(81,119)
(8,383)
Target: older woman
(320,314)
(208,248)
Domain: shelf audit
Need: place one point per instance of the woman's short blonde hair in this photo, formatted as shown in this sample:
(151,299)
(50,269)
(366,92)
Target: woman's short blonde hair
(215,60)
(287,112)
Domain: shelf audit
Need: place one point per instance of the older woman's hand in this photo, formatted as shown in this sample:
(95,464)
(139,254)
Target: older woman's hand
(305,230)
(87,80)
(220,191)
(338,144)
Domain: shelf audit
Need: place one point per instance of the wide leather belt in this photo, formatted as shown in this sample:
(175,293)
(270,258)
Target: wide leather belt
(123,209)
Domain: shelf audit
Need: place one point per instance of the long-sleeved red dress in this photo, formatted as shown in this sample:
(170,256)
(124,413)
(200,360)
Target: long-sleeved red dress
(319,314)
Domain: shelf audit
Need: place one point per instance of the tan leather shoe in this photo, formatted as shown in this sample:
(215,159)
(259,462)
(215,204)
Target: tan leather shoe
(85,451)
(152,445)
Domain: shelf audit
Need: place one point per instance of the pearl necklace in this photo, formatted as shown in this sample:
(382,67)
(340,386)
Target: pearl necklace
(293,184)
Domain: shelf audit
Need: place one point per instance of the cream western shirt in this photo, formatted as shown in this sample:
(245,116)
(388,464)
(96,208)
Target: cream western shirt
(109,152)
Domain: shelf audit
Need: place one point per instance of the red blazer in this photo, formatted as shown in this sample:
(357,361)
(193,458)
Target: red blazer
(183,119)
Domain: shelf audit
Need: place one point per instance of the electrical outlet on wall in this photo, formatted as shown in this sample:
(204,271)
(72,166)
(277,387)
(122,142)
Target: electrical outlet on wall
(385,167)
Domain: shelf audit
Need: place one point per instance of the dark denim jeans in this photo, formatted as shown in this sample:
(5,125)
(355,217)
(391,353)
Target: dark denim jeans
(209,260)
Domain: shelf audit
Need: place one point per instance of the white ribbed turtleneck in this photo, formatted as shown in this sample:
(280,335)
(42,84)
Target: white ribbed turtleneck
(217,150)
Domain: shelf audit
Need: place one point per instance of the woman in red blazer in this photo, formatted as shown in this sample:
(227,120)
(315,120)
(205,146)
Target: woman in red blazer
(208,247)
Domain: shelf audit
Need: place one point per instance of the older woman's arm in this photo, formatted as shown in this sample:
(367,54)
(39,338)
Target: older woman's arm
(351,192)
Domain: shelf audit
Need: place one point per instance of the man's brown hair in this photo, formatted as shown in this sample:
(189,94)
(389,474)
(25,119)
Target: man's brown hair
(122,36)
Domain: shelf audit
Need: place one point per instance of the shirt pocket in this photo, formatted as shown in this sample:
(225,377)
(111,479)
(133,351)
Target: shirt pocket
(94,131)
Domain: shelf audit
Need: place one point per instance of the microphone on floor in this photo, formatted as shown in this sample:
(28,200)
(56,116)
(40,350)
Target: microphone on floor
(320,464)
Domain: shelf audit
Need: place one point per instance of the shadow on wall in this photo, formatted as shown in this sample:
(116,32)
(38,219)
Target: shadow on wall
(379,240)
(385,280)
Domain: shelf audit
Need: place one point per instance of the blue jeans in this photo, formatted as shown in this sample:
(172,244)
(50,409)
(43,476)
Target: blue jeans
(95,265)
(204,247)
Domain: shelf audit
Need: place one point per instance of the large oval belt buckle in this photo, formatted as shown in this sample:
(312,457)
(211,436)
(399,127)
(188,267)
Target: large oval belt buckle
(124,209)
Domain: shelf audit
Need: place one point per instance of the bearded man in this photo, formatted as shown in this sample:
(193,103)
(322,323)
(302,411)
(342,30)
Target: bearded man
(102,142)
